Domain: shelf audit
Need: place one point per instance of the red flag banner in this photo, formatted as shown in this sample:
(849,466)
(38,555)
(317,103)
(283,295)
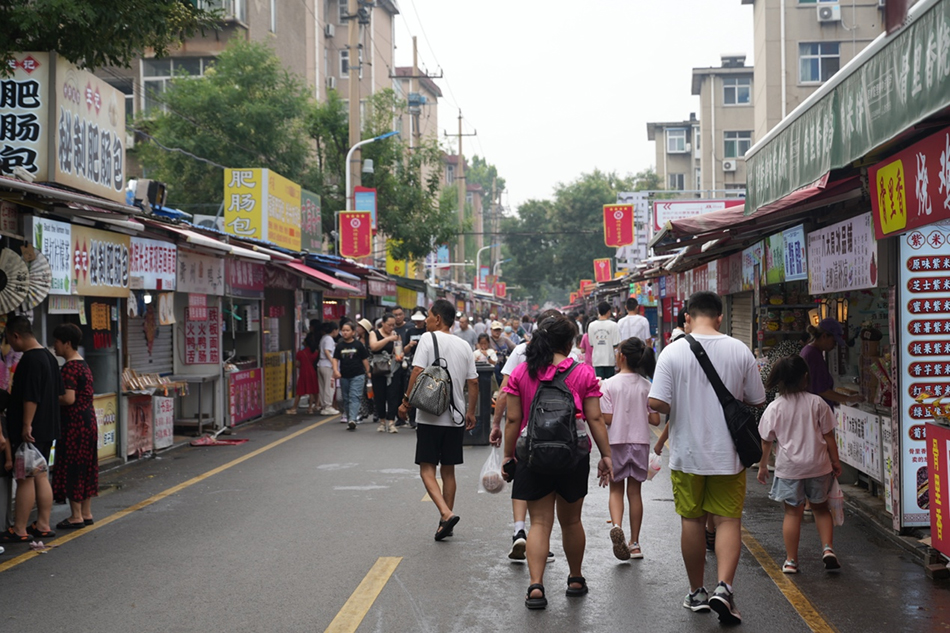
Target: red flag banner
(573,298)
(618,225)
(356,234)
(586,286)
(602,270)
(501,289)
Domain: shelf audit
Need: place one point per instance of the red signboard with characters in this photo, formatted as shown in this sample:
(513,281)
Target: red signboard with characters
(938,454)
(356,234)
(501,289)
(202,339)
(911,189)
(245,279)
(602,270)
(618,225)
(244,395)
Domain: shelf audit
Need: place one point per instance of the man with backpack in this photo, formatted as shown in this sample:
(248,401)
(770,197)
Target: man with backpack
(439,434)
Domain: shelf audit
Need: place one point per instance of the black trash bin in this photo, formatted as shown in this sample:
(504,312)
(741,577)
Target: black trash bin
(479,435)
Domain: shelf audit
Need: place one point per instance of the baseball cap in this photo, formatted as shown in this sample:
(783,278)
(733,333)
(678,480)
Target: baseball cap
(831,326)
(497,325)
(418,315)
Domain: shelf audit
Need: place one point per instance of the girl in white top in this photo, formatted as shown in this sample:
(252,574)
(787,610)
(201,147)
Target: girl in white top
(628,418)
(806,464)
(483,352)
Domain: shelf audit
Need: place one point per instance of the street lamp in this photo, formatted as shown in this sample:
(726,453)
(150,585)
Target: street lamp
(478,261)
(349,154)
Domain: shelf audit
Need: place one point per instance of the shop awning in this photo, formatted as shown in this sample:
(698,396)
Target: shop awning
(61,195)
(322,278)
(203,241)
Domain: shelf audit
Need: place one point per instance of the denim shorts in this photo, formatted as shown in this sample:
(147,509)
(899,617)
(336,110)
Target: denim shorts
(795,491)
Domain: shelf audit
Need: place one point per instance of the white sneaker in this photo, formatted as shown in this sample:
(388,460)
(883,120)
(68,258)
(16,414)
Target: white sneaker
(329,411)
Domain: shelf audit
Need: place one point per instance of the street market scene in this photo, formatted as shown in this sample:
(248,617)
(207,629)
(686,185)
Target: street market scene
(312,317)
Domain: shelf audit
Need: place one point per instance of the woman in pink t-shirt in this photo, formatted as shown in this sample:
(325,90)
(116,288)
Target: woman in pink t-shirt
(545,356)
(806,464)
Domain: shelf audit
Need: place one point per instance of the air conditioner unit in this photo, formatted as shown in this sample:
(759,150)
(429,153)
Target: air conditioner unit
(330,31)
(689,147)
(729,165)
(829,13)
(208,221)
(331,83)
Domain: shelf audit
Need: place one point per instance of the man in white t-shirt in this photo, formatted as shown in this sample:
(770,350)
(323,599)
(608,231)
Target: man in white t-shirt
(439,437)
(635,324)
(705,469)
(604,336)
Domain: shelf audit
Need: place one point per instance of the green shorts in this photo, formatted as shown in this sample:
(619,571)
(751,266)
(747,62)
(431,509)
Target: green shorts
(697,495)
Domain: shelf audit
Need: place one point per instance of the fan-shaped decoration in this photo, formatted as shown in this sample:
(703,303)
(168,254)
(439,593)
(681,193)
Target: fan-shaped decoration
(14,280)
(41,280)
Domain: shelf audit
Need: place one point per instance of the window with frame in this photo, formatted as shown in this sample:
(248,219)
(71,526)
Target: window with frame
(449,174)
(737,90)
(676,182)
(344,11)
(345,63)
(736,144)
(818,61)
(158,73)
(676,140)
(735,189)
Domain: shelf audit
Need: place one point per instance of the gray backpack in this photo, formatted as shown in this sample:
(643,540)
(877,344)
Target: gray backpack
(432,391)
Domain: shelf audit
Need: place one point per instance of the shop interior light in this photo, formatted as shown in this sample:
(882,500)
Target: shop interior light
(813,317)
(147,298)
(842,310)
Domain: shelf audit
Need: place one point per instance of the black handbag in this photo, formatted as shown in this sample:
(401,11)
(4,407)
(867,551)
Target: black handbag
(739,416)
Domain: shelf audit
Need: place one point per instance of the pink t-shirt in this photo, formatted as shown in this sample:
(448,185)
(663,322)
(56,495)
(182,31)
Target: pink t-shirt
(797,423)
(625,397)
(582,382)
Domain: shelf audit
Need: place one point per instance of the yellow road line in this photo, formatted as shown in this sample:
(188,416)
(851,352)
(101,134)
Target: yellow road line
(356,608)
(427,497)
(815,621)
(62,540)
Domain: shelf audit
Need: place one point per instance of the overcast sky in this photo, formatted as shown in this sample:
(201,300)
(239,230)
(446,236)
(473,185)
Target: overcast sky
(556,88)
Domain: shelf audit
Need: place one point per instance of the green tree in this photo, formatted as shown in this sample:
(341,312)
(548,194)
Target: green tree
(247,111)
(529,248)
(97,33)
(328,126)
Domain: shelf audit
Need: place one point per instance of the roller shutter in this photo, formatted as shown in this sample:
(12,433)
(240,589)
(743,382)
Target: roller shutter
(740,323)
(157,361)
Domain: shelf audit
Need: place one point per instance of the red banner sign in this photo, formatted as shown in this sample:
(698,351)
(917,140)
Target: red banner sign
(356,234)
(573,298)
(938,438)
(912,188)
(602,270)
(618,225)
(501,290)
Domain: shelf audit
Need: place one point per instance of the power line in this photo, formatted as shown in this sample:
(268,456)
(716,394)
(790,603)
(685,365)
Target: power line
(178,150)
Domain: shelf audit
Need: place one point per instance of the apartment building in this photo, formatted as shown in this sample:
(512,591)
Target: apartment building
(420,122)
(727,122)
(374,59)
(678,153)
(799,44)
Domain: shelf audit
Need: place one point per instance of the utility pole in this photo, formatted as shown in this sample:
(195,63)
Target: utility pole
(460,177)
(414,117)
(355,68)
(491,220)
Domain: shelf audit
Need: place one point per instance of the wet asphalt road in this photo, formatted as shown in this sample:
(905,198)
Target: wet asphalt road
(280,541)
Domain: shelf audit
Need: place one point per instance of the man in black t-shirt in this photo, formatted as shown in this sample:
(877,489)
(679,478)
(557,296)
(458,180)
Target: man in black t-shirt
(33,416)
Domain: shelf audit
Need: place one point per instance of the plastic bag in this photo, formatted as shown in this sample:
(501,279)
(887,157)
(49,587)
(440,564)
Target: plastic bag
(836,503)
(28,462)
(490,479)
(656,462)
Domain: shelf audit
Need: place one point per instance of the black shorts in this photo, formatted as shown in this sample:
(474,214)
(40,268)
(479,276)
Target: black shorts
(531,486)
(439,444)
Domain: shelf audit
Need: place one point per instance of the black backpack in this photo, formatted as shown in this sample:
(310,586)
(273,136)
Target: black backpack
(550,445)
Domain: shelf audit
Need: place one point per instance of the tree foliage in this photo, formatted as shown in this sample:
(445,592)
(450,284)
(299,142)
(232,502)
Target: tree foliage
(97,33)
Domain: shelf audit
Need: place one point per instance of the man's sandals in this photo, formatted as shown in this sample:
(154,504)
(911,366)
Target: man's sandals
(445,527)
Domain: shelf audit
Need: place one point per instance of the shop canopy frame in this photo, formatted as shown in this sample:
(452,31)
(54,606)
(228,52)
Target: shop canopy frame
(198,240)
(321,278)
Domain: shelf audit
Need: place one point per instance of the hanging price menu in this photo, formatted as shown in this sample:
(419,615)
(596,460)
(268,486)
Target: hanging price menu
(202,340)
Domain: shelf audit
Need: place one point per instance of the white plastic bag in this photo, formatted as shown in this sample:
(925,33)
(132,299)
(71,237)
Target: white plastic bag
(28,462)
(836,503)
(490,479)
(656,462)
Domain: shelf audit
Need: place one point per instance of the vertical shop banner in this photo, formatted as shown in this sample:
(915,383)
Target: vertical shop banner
(938,456)
(618,225)
(105,407)
(24,110)
(501,289)
(356,234)
(200,274)
(100,263)
(859,440)
(751,261)
(924,308)
(669,210)
(911,189)
(203,339)
(364,199)
(843,256)
(283,212)
(482,282)
(602,270)
(261,204)
(796,267)
(573,298)
(245,278)
(153,264)
(163,418)
(100,322)
(244,395)
(140,426)
(311,222)
(53,239)
(774,264)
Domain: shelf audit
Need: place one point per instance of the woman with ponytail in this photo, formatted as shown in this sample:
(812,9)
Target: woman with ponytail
(628,418)
(547,355)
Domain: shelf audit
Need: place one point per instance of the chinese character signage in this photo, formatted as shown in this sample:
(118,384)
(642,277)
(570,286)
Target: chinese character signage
(105,407)
(751,257)
(201,274)
(937,455)
(912,188)
(501,289)
(669,210)
(602,270)
(311,227)
(163,418)
(262,205)
(244,395)
(153,264)
(245,279)
(774,253)
(356,234)
(573,298)
(842,256)
(203,338)
(364,199)
(796,268)
(52,238)
(924,307)
(197,309)
(62,124)
(618,225)
(859,440)
(100,263)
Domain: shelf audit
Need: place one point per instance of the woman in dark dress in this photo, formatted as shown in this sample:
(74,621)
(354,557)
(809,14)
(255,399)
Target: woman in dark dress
(76,471)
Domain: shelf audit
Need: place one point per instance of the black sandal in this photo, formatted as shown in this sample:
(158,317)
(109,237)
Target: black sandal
(580,591)
(9,536)
(445,527)
(40,533)
(66,524)
(535,603)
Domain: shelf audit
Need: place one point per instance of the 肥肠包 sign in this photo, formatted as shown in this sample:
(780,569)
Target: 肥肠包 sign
(843,256)
(100,262)
(263,205)
(668,210)
(52,238)
(200,274)
(311,227)
(63,125)
(153,264)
